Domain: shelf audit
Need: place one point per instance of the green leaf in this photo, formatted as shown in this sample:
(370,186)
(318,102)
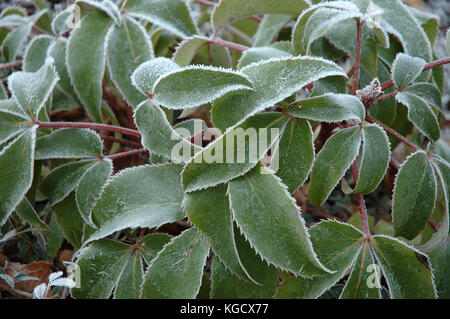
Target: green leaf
(406,69)
(144,196)
(11,125)
(190,50)
(151,244)
(258,54)
(337,245)
(440,261)
(271,222)
(90,187)
(401,23)
(106,6)
(274,80)
(27,212)
(36,52)
(158,135)
(420,114)
(62,180)
(375,157)
(228,11)
(314,23)
(448,42)
(128,46)
(32,89)
(146,75)
(59,23)
(209,211)
(227,286)
(69,220)
(176,272)
(233,153)
(16,175)
(69,143)
(357,285)
(428,92)
(269,28)
(296,154)
(108,266)
(86,63)
(332,162)
(330,107)
(171,15)
(196,85)
(14,40)
(414,195)
(406,270)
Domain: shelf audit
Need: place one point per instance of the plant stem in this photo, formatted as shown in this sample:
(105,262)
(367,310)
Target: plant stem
(359,25)
(387,96)
(241,35)
(230,45)
(393,133)
(121,141)
(125,154)
(362,205)
(428,66)
(93,126)
(10,65)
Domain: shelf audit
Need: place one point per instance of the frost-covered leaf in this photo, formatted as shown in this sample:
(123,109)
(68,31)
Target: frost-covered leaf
(420,114)
(86,63)
(231,10)
(374,160)
(32,89)
(359,283)
(190,51)
(27,212)
(406,270)
(440,261)
(196,85)
(151,244)
(16,173)
(146,75)
(106,6)
(128,47)
(233,153)
(225,285)
(176,272)
(36,53)
(295,154)
(332,162)
(14,40)
(330,107)
(144,196)
(274,80)
(59,23)
(39,291)
(158,135)
(90,187)
(399,21)
(62,180)
(253,55)
(105,265)
(269,27)
(270,220)
(406,69)
(171,15)
(69,143)
(337,246)
(11,125)
(209,211)
(314,23)
(69,220)
(428,92)
(414,195)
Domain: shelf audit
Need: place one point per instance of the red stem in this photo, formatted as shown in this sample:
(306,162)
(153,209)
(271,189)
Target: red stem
(93,126)
(428,66)
(125,154)
(362,205)
(359,25)
(230,45)
(393,133)
(11,65)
